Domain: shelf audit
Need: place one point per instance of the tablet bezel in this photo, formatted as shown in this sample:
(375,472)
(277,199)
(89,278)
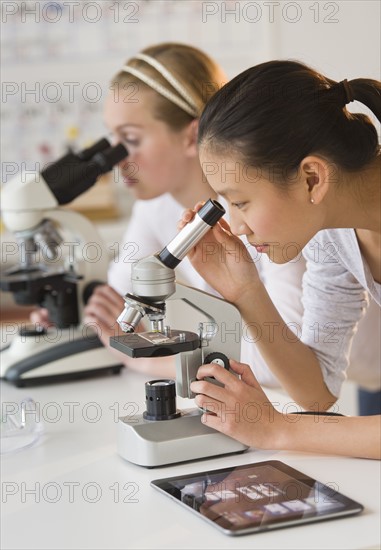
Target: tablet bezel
(350,507)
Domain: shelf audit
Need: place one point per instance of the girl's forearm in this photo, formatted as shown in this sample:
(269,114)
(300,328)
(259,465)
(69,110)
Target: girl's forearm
(291,361)
(338,435)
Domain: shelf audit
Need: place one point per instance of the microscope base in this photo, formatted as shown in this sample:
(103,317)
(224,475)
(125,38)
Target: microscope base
(157,443)
(38,359)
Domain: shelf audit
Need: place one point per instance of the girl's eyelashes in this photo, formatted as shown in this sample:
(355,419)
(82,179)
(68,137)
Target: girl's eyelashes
(238,205)
(133,142)
(115,137)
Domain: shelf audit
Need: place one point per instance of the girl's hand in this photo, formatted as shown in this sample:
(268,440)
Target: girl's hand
(103,308)
(222,260)
(240,409)
(41,317)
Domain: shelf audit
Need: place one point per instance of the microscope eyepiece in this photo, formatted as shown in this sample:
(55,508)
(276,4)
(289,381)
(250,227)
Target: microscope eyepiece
(179,247)
(211,212)
(106,159)
(88,153)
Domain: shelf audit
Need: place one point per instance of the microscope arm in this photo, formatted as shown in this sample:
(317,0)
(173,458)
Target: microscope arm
(224,327)
(25,201)
(222,334)
(86,242)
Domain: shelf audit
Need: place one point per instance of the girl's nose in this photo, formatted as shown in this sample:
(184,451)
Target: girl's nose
(238,227)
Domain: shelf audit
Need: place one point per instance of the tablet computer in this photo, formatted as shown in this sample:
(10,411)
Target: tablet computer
(257,497)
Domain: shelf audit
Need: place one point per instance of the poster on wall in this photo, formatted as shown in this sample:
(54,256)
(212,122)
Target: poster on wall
(58,58)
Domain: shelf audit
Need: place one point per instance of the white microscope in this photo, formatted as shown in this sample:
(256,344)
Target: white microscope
(62,259)
(164,435)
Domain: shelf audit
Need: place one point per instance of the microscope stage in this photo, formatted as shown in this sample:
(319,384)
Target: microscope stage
(155,344)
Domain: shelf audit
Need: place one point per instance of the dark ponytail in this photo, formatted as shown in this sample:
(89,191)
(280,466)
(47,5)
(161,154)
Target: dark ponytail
(367,92)
(277,113)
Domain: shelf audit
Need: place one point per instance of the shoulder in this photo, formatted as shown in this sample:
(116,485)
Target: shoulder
(332,247)
(335,267)
(341,238)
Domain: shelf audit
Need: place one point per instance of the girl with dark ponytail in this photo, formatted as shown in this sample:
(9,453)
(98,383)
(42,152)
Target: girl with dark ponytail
(300,173)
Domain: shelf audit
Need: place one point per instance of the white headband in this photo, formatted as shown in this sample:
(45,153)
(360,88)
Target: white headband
(189,106)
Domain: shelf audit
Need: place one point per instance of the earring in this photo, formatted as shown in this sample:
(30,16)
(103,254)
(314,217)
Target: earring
(312,201)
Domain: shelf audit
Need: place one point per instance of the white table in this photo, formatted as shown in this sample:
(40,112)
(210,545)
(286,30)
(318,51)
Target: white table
(72,490)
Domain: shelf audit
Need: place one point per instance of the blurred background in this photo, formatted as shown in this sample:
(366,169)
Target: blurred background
(58,57)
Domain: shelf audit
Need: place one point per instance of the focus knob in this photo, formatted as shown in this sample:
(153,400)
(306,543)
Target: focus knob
(218,358)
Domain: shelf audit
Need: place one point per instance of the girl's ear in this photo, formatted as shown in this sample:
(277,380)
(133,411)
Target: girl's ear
(315,174)
(190,139)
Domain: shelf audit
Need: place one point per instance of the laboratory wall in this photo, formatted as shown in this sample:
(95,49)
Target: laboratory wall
(58,57)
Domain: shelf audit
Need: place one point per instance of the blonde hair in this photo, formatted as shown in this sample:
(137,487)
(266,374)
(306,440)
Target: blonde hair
(195,71)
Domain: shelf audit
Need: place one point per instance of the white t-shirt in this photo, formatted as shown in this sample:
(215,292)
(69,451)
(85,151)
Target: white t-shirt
(337,288)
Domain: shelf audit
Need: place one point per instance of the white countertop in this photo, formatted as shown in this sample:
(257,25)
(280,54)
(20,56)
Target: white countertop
(71,490)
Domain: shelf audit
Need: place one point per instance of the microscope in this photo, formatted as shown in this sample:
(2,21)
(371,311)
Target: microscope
(162,434)
(61,260)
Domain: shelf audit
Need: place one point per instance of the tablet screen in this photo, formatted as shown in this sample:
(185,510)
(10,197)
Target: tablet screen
(256,497)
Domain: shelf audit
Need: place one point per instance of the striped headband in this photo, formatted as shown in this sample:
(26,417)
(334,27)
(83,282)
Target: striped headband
(187,103)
